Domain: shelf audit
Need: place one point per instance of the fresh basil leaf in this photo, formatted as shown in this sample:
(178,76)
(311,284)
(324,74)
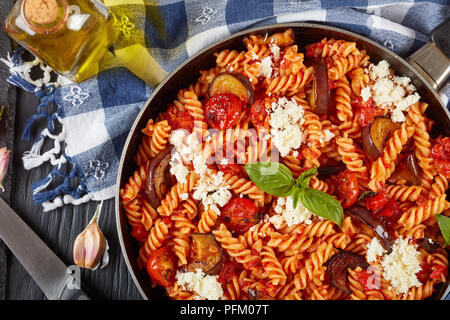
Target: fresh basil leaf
(271,177)
(303,180)
(444,225)
(322,204)
(295,196)
(367,194)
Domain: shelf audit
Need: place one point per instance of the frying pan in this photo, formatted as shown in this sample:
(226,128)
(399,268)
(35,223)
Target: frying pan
(304,33)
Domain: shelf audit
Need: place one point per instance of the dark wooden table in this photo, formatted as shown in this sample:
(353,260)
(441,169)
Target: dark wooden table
(57,228)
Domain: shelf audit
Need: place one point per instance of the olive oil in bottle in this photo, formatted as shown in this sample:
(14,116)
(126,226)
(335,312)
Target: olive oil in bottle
(71,36)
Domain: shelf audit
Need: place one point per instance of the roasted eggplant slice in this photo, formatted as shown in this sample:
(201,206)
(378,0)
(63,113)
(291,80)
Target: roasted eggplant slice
(413,165)
(234,83)
(408,173)
(158,178)
(375,134)
(206,254)
(429,245)
(329,170)
(338,265)
(365,216)
(321,90)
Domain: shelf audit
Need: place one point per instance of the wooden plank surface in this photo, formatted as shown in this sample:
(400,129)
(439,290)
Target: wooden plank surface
(57,228)
(7,108)
(60,227)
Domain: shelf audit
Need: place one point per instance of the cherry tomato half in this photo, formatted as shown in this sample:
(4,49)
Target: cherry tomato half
(441,156)
(377,202)
(438,271)
(161,267)
(365,111)
(139,233)
(239,215)
(347,187)
(178,119)
(223,111)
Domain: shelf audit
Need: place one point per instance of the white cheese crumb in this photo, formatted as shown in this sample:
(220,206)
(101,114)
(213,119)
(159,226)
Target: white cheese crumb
(206,286)
(184,196)
(365,93)
(328,135)
(275,51)
(374,250)
(285,122)
(295,153)
(224,161)
(400,267)
(389,91)
(177,168)
(265,67)
(276,221)
(381,70)
(212,191)
(177,136)
(291,216)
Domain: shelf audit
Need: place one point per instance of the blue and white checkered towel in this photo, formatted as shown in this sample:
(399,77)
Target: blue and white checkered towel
(96,115)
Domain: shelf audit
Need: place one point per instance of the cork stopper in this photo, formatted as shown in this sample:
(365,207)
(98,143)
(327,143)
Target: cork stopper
(41,11)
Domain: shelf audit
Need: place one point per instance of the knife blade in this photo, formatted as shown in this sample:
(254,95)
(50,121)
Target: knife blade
(50,273)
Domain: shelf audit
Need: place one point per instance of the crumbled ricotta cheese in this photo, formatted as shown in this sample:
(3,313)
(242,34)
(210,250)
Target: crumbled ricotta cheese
(184,196)
(328,135)
(206,286)
(374,250)
(401,265)
(212,191)
(177,167)
(286,118)
(285,209)
(265,67)
(177,136)
(365,93)
(275,51)
(276,221)
(389,91)
(381,70)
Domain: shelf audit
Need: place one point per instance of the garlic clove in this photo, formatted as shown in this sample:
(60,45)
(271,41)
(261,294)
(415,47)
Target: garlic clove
(90,246)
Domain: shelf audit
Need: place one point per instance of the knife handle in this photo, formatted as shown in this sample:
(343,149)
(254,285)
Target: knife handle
(74,291)
(73,294)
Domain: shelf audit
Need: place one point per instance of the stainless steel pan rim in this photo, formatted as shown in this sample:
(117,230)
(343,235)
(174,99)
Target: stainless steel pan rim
(121,223)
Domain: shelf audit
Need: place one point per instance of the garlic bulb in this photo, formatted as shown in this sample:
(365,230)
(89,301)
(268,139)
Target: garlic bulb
(4,161)
(90,249)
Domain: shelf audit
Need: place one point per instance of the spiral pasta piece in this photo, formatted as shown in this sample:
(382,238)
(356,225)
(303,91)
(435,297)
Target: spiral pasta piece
(135,184)
(404,193)
(236,248)
(422,212)
(347,150)
(314,137)
(384,166)
(272,266)
(245,187)
(172,198)
(342,98)
(326,48)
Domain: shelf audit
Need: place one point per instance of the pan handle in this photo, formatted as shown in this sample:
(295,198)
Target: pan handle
(432,60)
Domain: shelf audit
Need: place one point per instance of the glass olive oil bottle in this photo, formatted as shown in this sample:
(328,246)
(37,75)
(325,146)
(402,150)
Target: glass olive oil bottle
(71,36)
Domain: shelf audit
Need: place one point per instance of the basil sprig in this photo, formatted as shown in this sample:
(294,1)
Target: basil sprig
(444,225)
(275,178)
